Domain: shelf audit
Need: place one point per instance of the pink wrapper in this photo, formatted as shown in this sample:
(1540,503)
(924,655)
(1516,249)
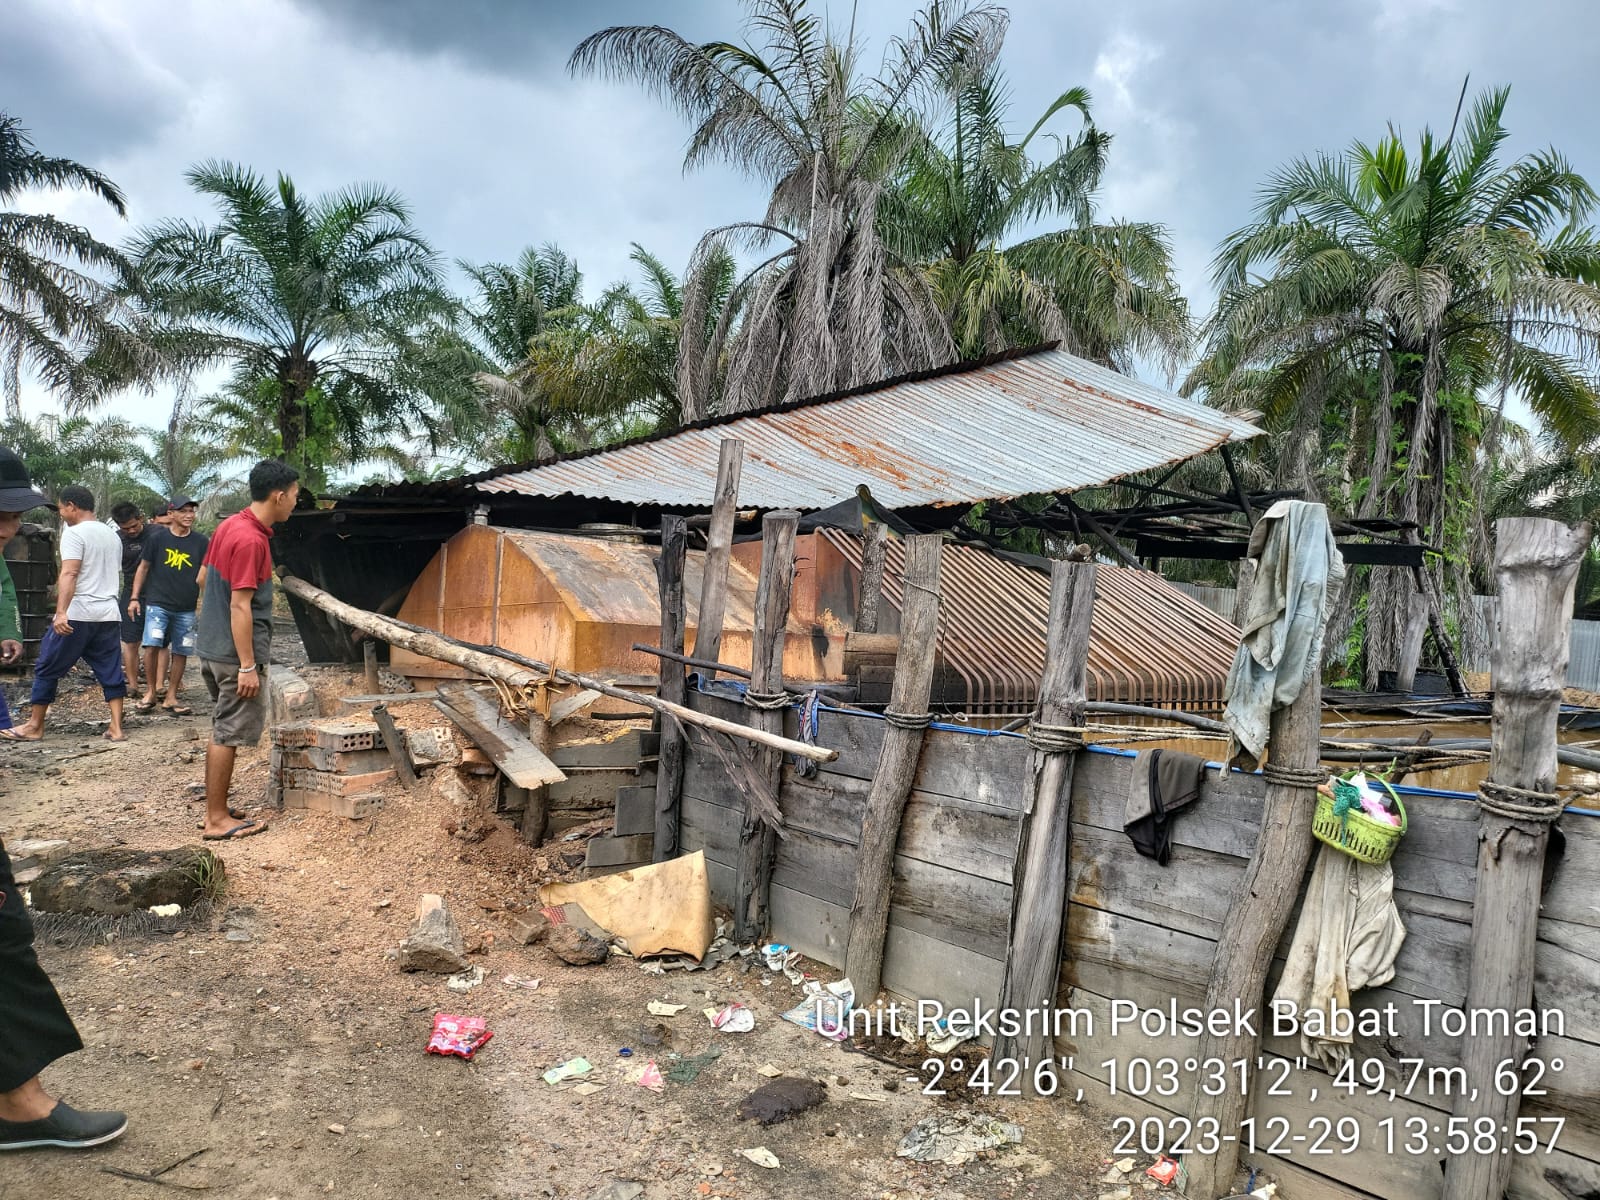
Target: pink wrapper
(461,1036)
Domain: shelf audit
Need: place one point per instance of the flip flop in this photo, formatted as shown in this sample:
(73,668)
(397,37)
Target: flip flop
(177,710)
(142,707)
(11,735)
(236,814)
(242,830)
(114,740)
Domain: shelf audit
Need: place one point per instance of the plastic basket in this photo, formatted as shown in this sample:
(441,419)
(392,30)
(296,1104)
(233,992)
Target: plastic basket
(1357,834)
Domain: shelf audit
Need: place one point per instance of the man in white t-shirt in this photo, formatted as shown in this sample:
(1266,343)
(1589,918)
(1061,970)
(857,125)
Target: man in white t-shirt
(88,620)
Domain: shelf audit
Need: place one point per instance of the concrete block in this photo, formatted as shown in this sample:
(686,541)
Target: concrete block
(346,762)
(619,851)
(289,698)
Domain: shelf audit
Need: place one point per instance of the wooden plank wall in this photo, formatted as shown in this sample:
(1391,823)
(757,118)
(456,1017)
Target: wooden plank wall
(1145,934)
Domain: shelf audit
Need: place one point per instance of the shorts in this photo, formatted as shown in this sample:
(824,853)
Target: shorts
(132,627)
(165,628)
(235,722)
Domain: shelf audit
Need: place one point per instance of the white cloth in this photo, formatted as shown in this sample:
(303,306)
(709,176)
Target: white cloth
(1348,938)
(99,550)
(1298,570)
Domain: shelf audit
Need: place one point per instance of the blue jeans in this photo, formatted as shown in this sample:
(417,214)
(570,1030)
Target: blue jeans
(165,627)
(98,643)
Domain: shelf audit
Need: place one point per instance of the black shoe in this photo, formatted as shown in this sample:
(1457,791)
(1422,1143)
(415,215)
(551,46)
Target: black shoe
(65,1127)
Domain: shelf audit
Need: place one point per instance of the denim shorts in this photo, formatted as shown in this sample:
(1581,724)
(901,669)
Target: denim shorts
(163,627)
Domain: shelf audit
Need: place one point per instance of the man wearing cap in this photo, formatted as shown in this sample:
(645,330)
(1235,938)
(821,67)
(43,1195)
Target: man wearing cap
(87,625)
(35,1029)
(166,592)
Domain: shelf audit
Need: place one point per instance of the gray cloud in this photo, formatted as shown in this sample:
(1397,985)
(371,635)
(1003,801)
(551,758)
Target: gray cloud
(468,110)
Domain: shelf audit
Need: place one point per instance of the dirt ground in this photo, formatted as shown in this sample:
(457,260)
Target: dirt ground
(295,1060)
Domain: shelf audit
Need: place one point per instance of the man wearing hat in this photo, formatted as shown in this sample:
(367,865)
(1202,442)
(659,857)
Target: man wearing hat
(35,1029)
(87,625)
(166,592)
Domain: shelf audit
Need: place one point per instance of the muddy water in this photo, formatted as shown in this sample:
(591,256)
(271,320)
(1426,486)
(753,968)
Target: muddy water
(1353,727)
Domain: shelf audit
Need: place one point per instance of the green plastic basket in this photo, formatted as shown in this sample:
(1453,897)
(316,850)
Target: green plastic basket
(1357,834)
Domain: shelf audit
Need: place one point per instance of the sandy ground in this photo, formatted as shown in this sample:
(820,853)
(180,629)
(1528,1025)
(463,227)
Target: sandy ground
(254,1051)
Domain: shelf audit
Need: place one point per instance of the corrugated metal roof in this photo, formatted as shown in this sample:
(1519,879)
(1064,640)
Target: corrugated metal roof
(1149,643)
(1045,421)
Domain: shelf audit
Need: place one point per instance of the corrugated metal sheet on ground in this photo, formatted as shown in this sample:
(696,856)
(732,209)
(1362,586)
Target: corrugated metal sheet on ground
(1047,421)
(1148,642)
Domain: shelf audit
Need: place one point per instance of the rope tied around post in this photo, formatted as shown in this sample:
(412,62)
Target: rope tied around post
(1294,777)
(909,721)
(1055,739)
(1519,804)
(767,701)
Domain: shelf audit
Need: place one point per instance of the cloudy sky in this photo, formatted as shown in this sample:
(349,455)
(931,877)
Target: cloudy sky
(466,107)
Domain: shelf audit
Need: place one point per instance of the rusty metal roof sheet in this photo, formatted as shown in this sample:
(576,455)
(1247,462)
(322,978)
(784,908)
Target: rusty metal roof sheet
(1149,643)
(1044,421)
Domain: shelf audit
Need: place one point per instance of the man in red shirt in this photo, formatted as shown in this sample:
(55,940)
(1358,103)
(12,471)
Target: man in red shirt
(234,635)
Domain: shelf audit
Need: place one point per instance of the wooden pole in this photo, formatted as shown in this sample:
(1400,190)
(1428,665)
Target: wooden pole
(1536,567)
(1256,921)
(874,539)
(758,840)
(395,744)
(369,663)
(1244,583)
(1039,883)
(517,671)
(673,686)
(897,766)
(719,547)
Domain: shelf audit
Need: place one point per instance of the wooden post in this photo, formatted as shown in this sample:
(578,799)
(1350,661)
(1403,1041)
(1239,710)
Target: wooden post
(758,841)
(673,686)
(1241,590)
(1536,567)
(1256,921)
(369,661)
(1411,644)
(1039,882)
(897,766)
(873,541)
(395,744)
(719,547)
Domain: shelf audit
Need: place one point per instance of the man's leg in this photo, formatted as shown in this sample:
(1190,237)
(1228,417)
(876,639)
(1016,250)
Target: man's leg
(57,654)
(100,651)
(130,659)
(148,700)
(163,664)
(235,722)
(35,1030)
(175,680)
(182,643)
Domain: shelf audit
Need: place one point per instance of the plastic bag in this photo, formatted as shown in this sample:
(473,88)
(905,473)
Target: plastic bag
(460,1036)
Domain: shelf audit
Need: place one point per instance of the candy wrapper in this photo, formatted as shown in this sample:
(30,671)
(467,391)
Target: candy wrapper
(461,1036)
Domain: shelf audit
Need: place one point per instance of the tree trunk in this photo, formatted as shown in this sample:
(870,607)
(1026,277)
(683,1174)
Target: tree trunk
(719,548)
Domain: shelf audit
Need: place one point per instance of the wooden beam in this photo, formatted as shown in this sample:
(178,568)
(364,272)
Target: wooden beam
(673,687)
(1239,494)
(518,671)
(1039,883)
(395,744)
(1100,531)
(1536,568)
(1411,643)
(758,837)
(348,702)
(719,548)
(1441,636)
(874,539)
(1256,921)
(369,663)
(689,660)
(510,749)
(897,767)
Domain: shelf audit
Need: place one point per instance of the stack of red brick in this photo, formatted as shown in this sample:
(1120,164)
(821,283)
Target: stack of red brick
(331,765)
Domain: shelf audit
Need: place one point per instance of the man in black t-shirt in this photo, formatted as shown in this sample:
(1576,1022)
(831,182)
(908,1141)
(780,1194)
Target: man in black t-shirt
(133,530)
(166,591)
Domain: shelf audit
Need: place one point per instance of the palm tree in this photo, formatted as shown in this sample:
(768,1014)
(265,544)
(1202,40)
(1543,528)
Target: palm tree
(185,458)
(1398,297)
(616,360)
(321,301)
(58,284)
(514,306)
(832,305)
(1106,291)
(63,450)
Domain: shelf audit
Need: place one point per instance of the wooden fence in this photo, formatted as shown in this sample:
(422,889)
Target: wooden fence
(1142,934)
